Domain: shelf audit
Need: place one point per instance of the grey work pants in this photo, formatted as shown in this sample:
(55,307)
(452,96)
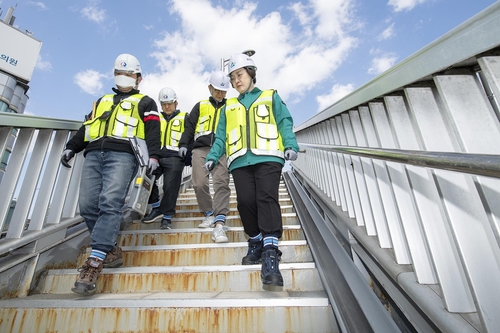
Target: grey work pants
(220,179)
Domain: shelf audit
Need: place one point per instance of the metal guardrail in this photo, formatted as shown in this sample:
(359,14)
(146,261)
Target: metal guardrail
(475,164)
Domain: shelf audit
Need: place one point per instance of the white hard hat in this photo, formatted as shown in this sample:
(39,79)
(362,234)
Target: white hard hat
(127,63)
(219,80)
(240,60)
(167,95)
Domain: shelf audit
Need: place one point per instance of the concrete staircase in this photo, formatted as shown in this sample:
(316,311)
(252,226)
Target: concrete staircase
(178,280)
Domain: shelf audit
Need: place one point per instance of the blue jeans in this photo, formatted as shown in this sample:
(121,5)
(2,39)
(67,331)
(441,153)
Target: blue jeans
(106,178)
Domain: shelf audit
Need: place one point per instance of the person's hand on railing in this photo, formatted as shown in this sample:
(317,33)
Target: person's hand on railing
(290,155)
(66,156)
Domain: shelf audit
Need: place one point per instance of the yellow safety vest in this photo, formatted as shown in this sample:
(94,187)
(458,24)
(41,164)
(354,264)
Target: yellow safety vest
(207,120)
(120,121)
(253,128)
(171,131)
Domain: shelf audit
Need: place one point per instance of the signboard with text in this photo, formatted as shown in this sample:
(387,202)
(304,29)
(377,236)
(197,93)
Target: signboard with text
(18,52)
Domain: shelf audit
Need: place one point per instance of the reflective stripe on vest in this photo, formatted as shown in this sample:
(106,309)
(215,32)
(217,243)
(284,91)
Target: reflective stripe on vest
(253,128)
(171,131)
(121,121)
(207,120)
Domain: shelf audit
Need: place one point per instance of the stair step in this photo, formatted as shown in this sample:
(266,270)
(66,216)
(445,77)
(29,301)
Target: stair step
(193,236)
(193,222)
(202,254)
(193,204)
(244,278)
(225,312)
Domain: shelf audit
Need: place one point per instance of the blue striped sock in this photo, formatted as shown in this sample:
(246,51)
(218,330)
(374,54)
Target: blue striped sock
(168,217)
(271,241)
(220,218)
(256,238)
(156,204)
(97,254)
(210,212)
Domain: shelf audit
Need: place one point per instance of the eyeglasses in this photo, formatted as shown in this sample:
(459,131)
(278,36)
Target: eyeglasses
(217,91)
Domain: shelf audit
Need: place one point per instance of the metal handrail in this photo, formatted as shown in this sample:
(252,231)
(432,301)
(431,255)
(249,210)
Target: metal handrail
(476,164)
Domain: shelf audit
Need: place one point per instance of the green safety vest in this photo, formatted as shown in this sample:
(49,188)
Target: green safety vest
(253,128)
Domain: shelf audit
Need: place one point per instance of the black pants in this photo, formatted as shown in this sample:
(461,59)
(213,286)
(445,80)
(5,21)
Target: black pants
(257,190)
(171,169)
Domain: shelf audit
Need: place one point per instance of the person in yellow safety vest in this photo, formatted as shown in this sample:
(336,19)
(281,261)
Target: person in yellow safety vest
(200,132)
(255,131)
(171,165)
(110,164)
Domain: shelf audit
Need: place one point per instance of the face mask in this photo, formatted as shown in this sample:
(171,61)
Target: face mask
(125,81)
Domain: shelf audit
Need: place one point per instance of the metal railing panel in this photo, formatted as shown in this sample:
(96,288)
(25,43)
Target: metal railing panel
(334,160)
(358,182)
(402,192)
(450,273)
(405,136)
(329,180)
(320,167)
(353,204)
(472,113)
(401,251)
(470,223)
(30,180)
(47,183)
(11,177)
(364,178)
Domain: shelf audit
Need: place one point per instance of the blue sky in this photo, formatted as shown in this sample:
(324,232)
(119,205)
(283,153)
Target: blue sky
(313,52)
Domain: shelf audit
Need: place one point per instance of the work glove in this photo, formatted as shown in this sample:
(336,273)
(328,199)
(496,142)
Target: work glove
(290,155)
(153,165)
(66,156)
(182,152)
(209,165)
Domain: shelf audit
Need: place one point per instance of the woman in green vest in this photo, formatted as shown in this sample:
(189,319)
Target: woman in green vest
(255,131)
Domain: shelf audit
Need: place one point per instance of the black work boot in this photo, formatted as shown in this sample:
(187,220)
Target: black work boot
(153,216)
(254,253)
(270,273)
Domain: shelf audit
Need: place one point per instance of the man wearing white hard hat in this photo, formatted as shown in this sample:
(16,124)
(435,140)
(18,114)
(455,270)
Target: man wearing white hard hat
(110,164)
(171,165)
(200,128)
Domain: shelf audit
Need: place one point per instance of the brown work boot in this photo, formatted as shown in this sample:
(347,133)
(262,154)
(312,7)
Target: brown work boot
(114,258)
(89,272)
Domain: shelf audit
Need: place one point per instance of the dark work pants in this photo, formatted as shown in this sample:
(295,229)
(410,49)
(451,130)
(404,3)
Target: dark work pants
(172,176)
(257,190)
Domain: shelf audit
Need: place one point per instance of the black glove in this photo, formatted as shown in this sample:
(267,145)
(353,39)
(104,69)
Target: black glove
(66,156)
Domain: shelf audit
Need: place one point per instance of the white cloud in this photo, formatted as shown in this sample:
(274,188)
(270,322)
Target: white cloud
(38,4)
(381,64)
(387,33)
(42,64)
(294,62)
(90,82)
(93,13)
(404,5)
(336,93)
